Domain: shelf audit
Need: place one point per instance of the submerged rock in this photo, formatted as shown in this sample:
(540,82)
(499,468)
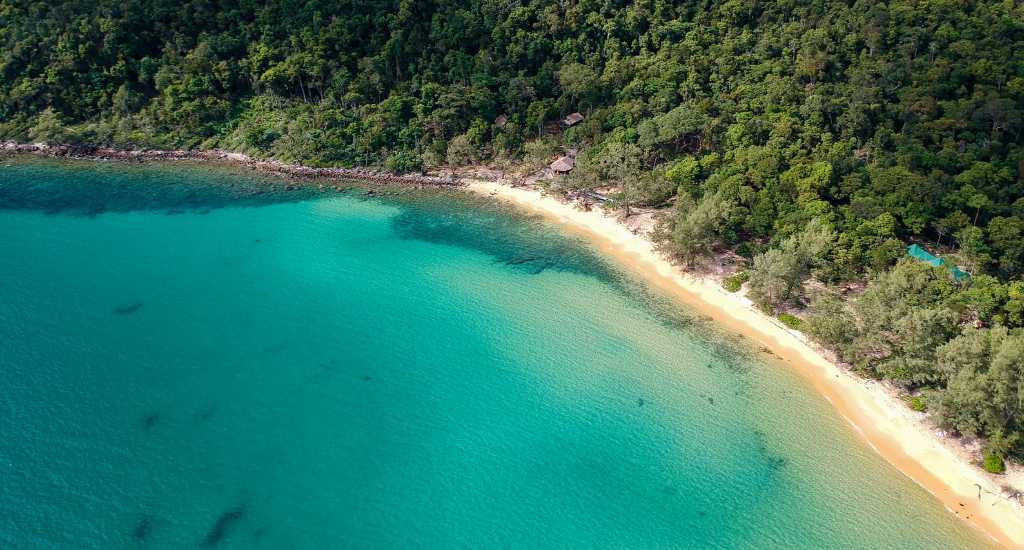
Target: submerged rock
(150,420)
(143,528)
(128,309)
(224,522)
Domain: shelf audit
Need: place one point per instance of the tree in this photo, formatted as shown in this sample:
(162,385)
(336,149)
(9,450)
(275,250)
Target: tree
(536,114)
(694,228)
(973,251)
(984,372)
(537,154)
(778,273)
(48,128)
(831,322)
(773,277)
(620,163)
(912,340)
(578,81)
(684,173)
(1006,236)
(893,328)
(461,151)
(977,201)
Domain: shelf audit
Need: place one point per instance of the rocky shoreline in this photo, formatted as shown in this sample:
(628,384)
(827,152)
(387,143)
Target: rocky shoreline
(91,152)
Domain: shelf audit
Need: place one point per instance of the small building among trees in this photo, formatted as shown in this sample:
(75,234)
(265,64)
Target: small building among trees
(917,252)
(572,119)
(563,165)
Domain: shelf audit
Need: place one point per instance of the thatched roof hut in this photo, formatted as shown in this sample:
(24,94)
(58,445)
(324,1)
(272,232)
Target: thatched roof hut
(501,121)
(563,165)
(572,119)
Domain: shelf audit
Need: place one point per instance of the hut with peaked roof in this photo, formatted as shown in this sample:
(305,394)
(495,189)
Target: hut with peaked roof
(572,119)
(501,121)
(563,165)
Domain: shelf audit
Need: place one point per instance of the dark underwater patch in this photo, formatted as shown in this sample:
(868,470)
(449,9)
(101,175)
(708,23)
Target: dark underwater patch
(207,413)
(534,266)
(324,370)
(150,420)
(223,524)
(734,356)
(88,189)
(529,245)
(519,261)
(772,460)
(127,309)
(519,242)
(142,528)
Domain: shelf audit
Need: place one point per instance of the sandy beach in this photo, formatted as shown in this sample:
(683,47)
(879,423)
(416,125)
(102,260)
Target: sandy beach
(901,436)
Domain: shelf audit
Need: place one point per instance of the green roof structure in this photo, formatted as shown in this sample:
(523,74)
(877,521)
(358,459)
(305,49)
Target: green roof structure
(919,253)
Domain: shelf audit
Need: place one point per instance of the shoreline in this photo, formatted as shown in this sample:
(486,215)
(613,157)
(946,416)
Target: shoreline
(88,152)
(904,440)
(883,421)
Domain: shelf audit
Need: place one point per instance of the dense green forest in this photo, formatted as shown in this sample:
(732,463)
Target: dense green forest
(815,139)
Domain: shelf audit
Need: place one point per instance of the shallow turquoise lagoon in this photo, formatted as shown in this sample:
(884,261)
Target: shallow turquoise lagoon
(194,357)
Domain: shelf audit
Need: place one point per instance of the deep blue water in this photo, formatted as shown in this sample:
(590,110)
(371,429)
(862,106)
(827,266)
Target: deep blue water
(195,357)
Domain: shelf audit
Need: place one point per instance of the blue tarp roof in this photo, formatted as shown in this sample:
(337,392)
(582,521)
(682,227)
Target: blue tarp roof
(917,252)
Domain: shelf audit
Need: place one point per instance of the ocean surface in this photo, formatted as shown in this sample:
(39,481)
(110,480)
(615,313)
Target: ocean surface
(200,357)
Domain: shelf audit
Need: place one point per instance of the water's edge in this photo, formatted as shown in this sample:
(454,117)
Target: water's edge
(307,173)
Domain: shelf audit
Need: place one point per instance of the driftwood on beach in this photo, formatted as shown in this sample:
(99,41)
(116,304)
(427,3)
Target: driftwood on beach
(266,166)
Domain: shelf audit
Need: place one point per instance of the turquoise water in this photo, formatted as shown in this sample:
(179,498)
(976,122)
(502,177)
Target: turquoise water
(194,357)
